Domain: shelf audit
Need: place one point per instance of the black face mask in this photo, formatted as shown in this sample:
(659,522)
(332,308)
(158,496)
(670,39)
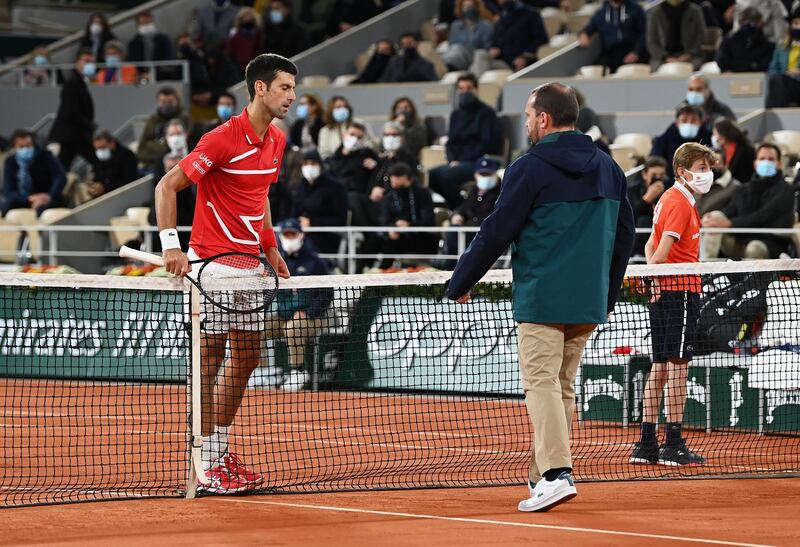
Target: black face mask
(185,51)
(465,100)
(718,173)
(410,52)
(167,111)
(796,34)
(248,25)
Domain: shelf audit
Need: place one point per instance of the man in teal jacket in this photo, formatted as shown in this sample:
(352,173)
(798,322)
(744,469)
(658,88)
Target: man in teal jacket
(564,207)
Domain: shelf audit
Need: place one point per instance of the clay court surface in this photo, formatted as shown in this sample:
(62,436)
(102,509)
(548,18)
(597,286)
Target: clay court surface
(711,512)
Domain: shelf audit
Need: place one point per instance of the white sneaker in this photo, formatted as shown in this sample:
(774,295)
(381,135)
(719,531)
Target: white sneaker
(548,494)
(295,380)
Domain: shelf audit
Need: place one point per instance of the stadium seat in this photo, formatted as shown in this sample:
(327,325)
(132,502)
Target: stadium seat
(25,217)
(430,157)
(711,43)
(9,242)
(561,40)
(787,139)
(498,76)
(343,80)
(641,142)
(546,50)
(442,216)
(577,21)
(315,80)
(683,70)
(625,156)
(591,71)
(554,20)
(50,216)
(635,70)
(139,215)
(118,238)
(710,67)
(451,77)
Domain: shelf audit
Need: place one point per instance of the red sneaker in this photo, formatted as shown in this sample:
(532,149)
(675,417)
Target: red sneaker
(223,481)
(236,467)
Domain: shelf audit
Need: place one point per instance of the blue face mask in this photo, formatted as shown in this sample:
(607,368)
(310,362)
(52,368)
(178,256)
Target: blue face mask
(485,182)
(40,60)
(766,169)
(341,114)
(224,112)
(688,130)
(112,60)
(276,16)
(89,70)
(24,154)
(302,111)
(695,98)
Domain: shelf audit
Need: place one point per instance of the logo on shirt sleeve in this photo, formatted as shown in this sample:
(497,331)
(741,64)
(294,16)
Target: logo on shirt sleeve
(205,159)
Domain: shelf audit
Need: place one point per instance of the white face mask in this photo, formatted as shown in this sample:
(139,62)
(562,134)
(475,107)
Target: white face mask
(310,172)
(148,29)
(103,154)
(349,142)
(291,246)
(96,28)
(392,143)
(176,142)
(701,182)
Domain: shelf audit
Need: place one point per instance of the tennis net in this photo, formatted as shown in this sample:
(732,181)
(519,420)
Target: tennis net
(385,384)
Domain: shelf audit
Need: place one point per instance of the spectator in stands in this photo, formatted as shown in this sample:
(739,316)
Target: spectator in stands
(222,72)
(688,127)
(621,25)
(675,33)
(588,123)
(354,160)
(321,200)
(337,116)
(150,45)
(408,65)
(95,36)
(784,69)
(116,71)
(185,201)
(722,190)
(407,203)
(176,137)
(37,74)
(747,49)
(283,35)
(152,143)
(314,16)
(728,138)
(470,30)
(773,14)
(74,124)
(300,313)
(226,107)
(415,135)
(474,131)
(348,13)
(699,94)
(246,40)
(32,176)
(518,33)
(199,80)
(214,22)
(305,130)
(376,66)
(766,201)
(116,166)
(644,191)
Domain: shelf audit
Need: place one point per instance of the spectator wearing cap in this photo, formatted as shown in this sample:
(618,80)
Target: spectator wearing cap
(621,25)
(32,176)
(408,65)
(321,200)
(300,314)
(784,68)
(116,166)
(747,49)
(699,94)
(676,31)
(687,127)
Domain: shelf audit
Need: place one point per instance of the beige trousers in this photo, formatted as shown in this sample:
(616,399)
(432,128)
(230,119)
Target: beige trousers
(549,356)
(714,243)
(296,332)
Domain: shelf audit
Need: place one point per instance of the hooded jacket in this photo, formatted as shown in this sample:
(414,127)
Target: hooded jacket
(564,207)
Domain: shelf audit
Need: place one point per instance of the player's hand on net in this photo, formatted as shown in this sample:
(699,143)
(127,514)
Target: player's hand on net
(277,262)
(176,262)
(463,299)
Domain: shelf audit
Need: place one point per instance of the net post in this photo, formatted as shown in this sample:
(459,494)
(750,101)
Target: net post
(708,399)
(761,411)
(626,381)
(195,380)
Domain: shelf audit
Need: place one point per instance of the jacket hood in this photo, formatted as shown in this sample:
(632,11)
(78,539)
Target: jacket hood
(572,153)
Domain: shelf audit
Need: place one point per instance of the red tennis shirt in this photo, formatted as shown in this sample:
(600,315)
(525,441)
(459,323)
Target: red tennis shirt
(233,170)
(676,215)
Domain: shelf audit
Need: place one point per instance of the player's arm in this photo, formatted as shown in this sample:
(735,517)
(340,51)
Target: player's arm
(659,256)
(270,245)
(175,261)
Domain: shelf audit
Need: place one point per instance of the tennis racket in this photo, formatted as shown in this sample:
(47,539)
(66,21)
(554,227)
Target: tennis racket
(234,282)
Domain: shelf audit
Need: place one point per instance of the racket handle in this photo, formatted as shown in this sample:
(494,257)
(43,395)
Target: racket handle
(150,258)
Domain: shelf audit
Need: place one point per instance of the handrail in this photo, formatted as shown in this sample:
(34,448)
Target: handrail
(53,69)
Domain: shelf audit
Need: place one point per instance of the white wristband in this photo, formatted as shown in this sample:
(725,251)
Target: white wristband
(169,239)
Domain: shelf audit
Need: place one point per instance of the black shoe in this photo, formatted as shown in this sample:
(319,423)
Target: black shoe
(679,455)
(644,453)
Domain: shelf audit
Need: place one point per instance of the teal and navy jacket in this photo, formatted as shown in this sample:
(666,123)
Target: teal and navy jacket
(564,206)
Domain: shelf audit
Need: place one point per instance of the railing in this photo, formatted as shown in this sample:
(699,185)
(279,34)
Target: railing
(147,72)
(347,257)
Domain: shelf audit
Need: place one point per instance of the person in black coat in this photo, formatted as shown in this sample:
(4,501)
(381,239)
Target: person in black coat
(151,45)
(747,49)
(116,165)
(740,155)
(282,35)
(644,191)
(474,131)
(688,127)
(74,124)
(376,66)
(408,65)
(95,36)
(321,200)
(32,176)
(518,33)
(349,162)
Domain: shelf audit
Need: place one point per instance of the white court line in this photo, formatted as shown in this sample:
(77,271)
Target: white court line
(497,522)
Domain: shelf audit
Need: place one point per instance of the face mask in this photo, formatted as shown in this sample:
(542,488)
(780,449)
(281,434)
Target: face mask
(766,169)
(701,182)
(147,29)
(224,111)
(485,182)
(302,111)
(470,13)
(410,52)
(748,29)
(291,246)
(96,28)
(25,154)
(103,154)
(406,116)
(695,98)
(714,142)
(248,25)
(341,114)
(349,142)
(185,51)
(392,143)
(466,99)
(89,70)
(796,34)
(40,60)
(276,17)
(176,142)
(310,172)
(167,111)
(718,173)
(112,60)
(688,130)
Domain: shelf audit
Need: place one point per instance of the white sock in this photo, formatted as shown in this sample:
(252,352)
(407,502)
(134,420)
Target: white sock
(215,446)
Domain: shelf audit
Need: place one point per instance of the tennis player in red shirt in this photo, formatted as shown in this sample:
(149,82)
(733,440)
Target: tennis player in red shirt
(233,167)
(674,307)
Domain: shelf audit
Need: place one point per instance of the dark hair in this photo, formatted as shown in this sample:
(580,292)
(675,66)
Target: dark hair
(730,130)
(689,109)
(400,169)
(414,117)
(316,101)
(654,161)
(145,13)
(559,101)
(265,67)
(167,90)
(759,147)
(231,96)
(103,21)
(104,134)
(20,134)
(751,14)
(468,77)
(411,34)
(83,51)
(357,125)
